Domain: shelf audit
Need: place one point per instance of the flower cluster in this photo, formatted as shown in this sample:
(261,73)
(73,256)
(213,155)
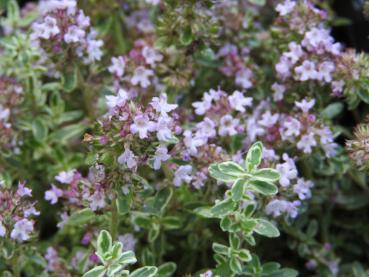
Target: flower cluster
(17,213)
(63,28)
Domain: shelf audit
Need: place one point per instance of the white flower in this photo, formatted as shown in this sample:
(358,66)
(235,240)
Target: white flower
(116,101)
(228,125)
(128,241)
(243,78)
(287,170)
(268,119)
(160,104)
(291,127)
(302,188)
(141,77)
(206,128)
(279,91)
(162,127)
(31,211)
(64,219)
(128,158)
(294,54)
(142,125)
(153,2)
(151,55)
(285,8)
(2,230)
(97,200)
(306,143)
(22,190)
(182,174)
(276,207)
(66,177)
(201,107)
(238,101)
(192,142)
(50,27)
(21,230)
(53,194)
(118,66)
(305,105)
(306,71)
(161,155)
(83,21)
(94,50)
(325,71)
(4,113)
(74,34)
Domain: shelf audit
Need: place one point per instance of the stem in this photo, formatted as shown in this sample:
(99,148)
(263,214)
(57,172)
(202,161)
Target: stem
(114,218)
(15,266)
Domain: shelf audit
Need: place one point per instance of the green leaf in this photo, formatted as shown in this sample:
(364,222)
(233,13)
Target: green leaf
(244,255)
(124,203)
(270,267)
(263,187)
(104,243)
(162,199)
(220,248)
(258,2)
(98,271)
(267,175)
(332,110)
(147,271)
(154,233)
(81,217)
(127,257)
(186,37)
(223,208)
(234,241)
(235,265)
(231,168)
(254,155)
(117,250)
(215,172)
(171,222)
(39,130)
(238,190)
(71,80)
(266,228)
(204,212)
(66,133)
(167,269)
(285,272)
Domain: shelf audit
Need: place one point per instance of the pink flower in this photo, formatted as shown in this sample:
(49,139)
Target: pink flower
(161,155)
(182,174)
(23,190)
(243,78)
(285,8)
(228,125)
(53,194)
(305,105)
(238,101)
(21,230)
(160,104)
(118,66)
(141,76)
(142,125)
(306,71)
(151,56)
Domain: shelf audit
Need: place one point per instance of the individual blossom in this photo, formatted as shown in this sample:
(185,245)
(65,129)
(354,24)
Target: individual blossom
(182,174)
(306,143)
(238,101)
(305,105)
(151,56)
(118,66)
(53,194)
(160,104)
(74,34)
(302,188)
(129,241)
(243,78)
(287,170)
(141,77)
(228,125)
(286,7)
(142,125)
(66,177)
(161,155)
(22,230)
(306,71)
(277,207)
(128,159)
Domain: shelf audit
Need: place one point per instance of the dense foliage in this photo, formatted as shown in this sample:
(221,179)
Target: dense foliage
(181,138)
